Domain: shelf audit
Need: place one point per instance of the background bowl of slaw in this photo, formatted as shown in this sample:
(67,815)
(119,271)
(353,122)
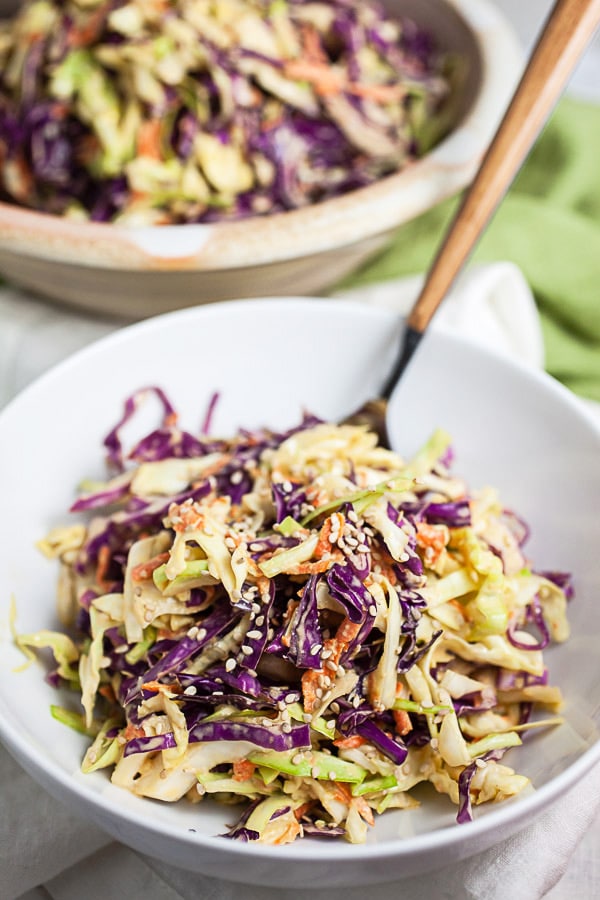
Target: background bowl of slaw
(136,272)
(512,427)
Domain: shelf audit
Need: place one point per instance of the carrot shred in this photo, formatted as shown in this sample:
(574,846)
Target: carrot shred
(243,770)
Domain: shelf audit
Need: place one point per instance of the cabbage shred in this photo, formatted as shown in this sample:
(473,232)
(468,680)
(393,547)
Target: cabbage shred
(300,622)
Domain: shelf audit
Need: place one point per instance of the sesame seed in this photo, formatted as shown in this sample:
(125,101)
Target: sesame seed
(286,727)
(236,477)
(373,609)
(326,654)
(217,693)
(331,723)
(319,692)
(307,717)
(330,664)
(315,649)
(352,516)
(281,704)
(201,634)
(260,621)
(254,635)
(341,670)
(356,702)
(230,665)
(314,772)
(290,698)
(298,758)
(362,548)
(191,690)
(287,486)
(285,715)
(335,707)
(201,789)
(246,650)
(480,763)
(193,631)
(331,776)
(256,609)
(251,672)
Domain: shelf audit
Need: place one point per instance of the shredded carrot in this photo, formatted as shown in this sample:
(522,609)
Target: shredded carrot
(324,81)
(153,686)
(380,93)
(346,633)
(133,731)
(324,545)
(402,720)
(104,557)
(86,34)
(243,770)
(144,570)
(107,691)
(148,141)
(363,809)
(432,539)
(303,809)
(350,743)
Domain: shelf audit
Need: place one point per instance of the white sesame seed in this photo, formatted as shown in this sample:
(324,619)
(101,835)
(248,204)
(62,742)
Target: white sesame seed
(356,702)
(315,649)
(230,665)
(335,707)
(191,690)
(330,664)
(331,723)
(286,727)
(201,789)
(285,715)
(319,692)
(290,698)
(480,763)
(201,634)
(260,621)
(314,772)
(251,672)
(326,654)
(254,635)
(352,516)
(246,650)
(298,758)
(331,776)
(307,717)
(256,608)
(236,477)
(373,610)
(362,548)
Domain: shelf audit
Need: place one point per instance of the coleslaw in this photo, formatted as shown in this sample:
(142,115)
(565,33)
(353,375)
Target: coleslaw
(172,111)
(302,623)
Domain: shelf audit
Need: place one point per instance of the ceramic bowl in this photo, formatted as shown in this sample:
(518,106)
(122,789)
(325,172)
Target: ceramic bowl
(141,272)
(512,427)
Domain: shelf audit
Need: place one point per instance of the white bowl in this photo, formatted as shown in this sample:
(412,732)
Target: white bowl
(512,427)
(141,272)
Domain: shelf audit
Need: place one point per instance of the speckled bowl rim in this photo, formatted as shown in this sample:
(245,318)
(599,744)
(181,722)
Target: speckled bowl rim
(327,226)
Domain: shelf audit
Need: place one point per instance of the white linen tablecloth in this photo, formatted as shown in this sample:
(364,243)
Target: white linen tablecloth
(47,852)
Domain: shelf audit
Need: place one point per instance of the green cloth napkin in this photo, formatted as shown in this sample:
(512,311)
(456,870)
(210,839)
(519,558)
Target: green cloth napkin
(549,225)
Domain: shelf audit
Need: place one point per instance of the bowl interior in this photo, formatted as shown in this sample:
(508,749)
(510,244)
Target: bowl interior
(270,360)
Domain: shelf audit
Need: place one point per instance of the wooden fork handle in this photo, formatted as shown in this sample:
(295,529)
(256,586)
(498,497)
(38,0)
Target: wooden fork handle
(568,30)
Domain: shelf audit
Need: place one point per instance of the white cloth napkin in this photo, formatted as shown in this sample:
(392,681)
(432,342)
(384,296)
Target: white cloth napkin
(42,843)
